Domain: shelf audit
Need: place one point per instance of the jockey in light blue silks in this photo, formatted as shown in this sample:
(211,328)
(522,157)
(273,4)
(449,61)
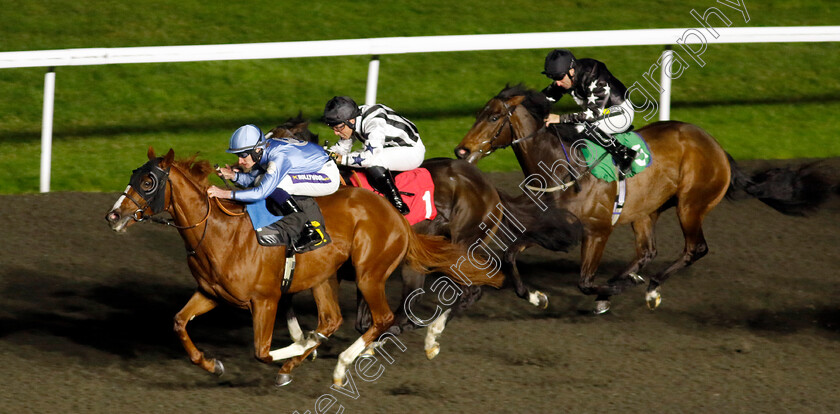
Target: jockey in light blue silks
(274,170)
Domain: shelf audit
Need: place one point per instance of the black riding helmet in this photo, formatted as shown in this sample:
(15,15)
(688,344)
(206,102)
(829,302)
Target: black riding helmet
(558,63)
(340,109)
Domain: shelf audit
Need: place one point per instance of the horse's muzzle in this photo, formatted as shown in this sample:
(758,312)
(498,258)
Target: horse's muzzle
(461,153)
(116,221)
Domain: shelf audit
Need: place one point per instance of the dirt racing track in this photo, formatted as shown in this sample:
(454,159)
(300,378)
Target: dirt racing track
(754,327)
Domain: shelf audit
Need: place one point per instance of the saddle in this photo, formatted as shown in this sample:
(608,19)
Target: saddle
(273,232)
(602,163)
(415,186)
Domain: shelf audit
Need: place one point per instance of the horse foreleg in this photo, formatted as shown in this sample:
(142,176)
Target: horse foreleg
(300,343)
(263,314)
(594,242)
(535,297)
(329,320)
(197,305)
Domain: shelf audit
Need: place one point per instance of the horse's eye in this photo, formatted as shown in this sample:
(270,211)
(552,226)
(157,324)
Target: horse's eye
(147,184)
(494,118)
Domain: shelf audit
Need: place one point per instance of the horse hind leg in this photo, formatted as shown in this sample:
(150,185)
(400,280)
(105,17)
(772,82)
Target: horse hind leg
(691,220)
(374,294)
(534,297)
(467,297)
(645,253)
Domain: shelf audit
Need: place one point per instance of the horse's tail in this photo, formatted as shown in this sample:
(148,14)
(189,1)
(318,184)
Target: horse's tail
(791,192)
(554,228)
(427,254)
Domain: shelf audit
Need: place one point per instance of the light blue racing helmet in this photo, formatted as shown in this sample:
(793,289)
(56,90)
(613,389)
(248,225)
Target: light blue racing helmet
(246,138)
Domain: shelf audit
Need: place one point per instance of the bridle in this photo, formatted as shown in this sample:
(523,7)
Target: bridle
(153,198)
(508,112)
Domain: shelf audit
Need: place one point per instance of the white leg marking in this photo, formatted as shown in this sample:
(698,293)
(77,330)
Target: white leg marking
(534,298)
(293,350)
(294,329)
(346,358)
(433,331)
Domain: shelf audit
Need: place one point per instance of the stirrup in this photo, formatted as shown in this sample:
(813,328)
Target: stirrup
(310,236)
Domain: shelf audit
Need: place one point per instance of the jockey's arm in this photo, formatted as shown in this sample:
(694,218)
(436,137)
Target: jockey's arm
(274,173)
(373,144)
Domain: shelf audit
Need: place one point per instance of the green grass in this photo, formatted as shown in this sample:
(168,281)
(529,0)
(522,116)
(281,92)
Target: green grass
(759,100)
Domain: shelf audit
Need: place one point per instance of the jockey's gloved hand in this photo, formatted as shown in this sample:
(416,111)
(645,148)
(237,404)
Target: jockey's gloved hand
(333,155)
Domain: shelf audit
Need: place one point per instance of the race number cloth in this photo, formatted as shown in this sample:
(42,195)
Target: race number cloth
(416,187)
(606,169)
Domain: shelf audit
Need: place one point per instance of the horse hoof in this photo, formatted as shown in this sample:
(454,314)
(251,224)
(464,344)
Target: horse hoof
(601,307)
(433,351)
(653,298)
(313,355)
(282,380)
(637,278)
(218,368)
(338,382)
(367,352)
(543,300)
(538,299)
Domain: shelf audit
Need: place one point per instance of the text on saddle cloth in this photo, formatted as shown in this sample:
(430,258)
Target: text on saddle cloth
(415,186)
(606,169)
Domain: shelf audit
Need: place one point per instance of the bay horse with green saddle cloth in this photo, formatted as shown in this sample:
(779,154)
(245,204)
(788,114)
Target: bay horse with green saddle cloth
(689,171)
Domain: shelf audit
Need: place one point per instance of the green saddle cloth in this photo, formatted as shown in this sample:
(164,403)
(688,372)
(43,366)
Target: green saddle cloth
(606,169)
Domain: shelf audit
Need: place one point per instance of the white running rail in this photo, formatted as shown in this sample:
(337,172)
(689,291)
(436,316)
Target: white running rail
(690,41)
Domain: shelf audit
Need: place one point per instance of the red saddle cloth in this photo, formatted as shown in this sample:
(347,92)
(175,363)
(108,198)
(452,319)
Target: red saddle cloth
(417,182)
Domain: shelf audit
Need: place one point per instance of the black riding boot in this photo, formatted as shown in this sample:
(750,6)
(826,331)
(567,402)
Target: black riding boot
(382,181)
(621,154)
(309,236)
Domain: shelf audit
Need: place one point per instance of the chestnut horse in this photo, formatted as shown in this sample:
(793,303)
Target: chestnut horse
(470,210)
(229,265)
(690,170)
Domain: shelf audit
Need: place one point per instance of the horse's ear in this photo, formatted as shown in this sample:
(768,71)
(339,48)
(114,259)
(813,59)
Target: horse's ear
(516,100)
(300,125)
(151,153)
(167,159)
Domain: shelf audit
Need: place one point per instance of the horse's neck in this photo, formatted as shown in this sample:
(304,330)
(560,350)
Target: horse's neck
(189,205)
(530,148)
(545,154)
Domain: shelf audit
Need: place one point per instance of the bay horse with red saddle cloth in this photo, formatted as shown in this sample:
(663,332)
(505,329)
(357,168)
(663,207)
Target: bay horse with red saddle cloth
(230,266)
(467,209)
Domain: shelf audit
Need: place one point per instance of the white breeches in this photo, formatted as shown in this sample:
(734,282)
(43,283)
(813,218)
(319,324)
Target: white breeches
(619,123)
(399,158)
(324,182)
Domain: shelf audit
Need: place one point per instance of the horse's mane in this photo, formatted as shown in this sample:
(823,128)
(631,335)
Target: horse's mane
(539,107)
(298,126)
(197,169)
(535,102)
